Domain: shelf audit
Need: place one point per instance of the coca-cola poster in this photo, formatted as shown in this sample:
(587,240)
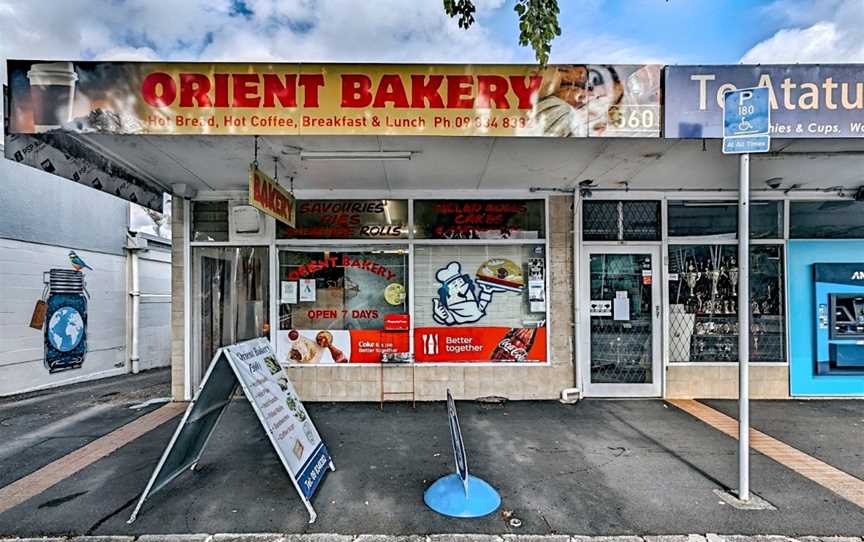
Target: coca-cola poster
(480,344)
(322,346)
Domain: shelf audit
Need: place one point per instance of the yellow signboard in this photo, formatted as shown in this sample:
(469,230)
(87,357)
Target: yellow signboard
(266,194)
(574,100)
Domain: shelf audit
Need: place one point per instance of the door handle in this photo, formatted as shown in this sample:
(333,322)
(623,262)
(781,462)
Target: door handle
(657,310)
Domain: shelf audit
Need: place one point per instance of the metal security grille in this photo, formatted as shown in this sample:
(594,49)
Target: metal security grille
(600,221)
(621,220)
(640,220)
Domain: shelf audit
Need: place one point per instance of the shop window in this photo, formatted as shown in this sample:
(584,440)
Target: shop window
(209,220)
(342,306)
(348,219)
(703,292)
(717,220)
(479,219)
(480,303)
(837,219)
(766,219)
(621,220)
(231,292)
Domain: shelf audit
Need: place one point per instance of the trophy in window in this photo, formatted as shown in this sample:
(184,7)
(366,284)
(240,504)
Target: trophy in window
(724,276)
(691,276)
(756,330)
(714,277)
(767,304)
(733,275)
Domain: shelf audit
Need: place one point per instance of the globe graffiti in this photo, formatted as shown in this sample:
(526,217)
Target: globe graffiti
(65,329)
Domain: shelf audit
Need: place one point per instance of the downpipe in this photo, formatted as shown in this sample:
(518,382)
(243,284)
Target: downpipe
(135,294)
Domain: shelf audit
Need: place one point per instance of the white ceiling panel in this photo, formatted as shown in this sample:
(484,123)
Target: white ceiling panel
(469,163)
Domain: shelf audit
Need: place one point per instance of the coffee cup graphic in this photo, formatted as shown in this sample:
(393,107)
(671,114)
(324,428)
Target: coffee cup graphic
(52,91)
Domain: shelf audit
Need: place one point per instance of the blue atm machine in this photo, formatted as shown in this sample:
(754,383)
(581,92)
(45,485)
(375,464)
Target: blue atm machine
(840,318)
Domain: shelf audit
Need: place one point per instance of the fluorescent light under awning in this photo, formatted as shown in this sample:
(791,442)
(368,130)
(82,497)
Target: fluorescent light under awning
(356,155)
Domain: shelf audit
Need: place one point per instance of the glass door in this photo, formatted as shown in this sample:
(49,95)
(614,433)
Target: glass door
(621,354)
(230,296)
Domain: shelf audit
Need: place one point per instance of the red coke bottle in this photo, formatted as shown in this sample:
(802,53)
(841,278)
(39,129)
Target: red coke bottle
(515,345)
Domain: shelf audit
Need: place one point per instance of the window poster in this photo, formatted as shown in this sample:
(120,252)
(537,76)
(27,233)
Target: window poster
(348,219)
(479,219)
(473,305)
(480,344)
(288,292)
(343,321)
(307,290)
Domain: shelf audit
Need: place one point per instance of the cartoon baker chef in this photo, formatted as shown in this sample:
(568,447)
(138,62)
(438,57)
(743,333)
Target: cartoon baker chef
(460,300)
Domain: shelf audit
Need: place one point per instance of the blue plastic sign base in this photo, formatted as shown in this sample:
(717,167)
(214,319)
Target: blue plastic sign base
(447,497)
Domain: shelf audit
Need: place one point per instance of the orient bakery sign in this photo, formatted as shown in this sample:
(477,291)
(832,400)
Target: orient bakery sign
(571,100)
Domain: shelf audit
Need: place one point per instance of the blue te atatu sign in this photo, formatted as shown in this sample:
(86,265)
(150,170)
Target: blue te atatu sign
(807,100)
(459,494)
(746,121)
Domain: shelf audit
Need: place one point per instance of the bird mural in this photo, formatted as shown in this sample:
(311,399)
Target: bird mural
(77,262)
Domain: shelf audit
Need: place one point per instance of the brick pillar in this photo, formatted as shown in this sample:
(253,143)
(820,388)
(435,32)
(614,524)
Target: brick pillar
(178,294)
(561,285)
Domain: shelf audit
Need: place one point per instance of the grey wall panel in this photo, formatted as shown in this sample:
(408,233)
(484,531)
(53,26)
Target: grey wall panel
(40,208)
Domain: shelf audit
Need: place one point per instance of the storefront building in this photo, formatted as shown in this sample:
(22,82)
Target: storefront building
(511,230)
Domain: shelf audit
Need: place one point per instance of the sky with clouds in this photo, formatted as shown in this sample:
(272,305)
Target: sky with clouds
(601,31)
(633,31)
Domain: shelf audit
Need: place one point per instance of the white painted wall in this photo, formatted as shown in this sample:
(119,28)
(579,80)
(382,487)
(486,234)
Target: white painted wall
(42,217)
(22,347)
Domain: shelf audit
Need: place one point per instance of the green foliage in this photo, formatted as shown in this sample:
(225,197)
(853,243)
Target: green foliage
(464,9)
(538,22)
(538,26)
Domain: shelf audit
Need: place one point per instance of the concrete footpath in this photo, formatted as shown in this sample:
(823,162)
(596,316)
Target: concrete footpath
(625,468)
(271,537)
(598,467)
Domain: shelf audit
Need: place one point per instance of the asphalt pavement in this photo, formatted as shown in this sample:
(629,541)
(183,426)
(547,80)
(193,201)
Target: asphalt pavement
(598,467)
(38,428)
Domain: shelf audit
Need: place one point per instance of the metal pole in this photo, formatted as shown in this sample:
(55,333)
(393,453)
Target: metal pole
(744,328)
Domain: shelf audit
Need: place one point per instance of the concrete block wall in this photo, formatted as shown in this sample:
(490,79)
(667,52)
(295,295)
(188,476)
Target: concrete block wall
(178,293)
(721,381)
(362,383)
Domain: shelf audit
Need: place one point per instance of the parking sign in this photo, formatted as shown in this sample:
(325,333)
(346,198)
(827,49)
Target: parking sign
(746,121)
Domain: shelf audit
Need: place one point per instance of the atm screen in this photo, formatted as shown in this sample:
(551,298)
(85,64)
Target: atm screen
(847,316)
